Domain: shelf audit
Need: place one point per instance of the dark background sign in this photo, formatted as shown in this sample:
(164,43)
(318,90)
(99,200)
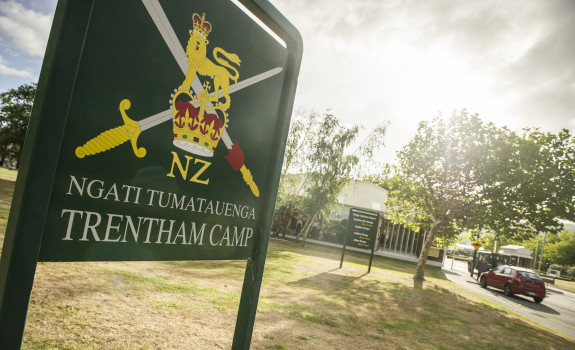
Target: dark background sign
(169,204)
(362,229)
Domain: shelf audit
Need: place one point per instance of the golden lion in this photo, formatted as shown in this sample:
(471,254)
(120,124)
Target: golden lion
(200,64)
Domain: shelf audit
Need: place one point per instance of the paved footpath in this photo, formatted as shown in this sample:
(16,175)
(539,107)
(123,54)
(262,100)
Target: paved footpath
(557,311)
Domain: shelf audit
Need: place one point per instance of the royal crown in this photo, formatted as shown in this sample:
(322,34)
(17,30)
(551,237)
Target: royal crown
(201,26)
(196,129)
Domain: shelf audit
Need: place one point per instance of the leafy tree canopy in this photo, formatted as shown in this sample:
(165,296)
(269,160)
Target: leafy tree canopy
(436,184)
(559,248)
(464,175)
(532,183)
(320,159)
(14,116)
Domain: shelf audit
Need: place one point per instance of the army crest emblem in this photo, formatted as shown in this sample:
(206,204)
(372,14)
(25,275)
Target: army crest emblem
(198,111)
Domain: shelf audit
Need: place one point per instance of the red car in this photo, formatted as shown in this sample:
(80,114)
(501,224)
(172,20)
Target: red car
(515,280)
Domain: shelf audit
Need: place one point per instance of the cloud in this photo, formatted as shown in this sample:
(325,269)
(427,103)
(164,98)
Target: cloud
(27,30)
(539,84)
(6,70)
(404,61)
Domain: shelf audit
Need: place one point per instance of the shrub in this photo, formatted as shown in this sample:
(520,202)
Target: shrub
(571,271)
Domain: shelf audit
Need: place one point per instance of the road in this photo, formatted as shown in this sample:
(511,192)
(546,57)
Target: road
(557,311)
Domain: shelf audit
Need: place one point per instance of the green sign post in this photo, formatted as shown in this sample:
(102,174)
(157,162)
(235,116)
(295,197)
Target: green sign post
(157,133)
(361,232)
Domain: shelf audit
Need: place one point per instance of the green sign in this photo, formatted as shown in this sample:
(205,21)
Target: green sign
(361,232)
(153,165)
(157,133)
(362,229)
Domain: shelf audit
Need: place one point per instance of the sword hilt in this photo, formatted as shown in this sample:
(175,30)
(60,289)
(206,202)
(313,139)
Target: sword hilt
(115,137)
(250,180)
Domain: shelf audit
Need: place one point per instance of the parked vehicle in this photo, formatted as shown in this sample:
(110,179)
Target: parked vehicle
(515,280)
(490,258)
(493,260)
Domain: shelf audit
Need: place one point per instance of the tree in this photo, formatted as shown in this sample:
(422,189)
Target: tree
(561,251)
(14,116)
(305,132)
(532,184)
(471,176)
(367,167)
(436,184)
(320,159)
(327,166)
(492,241)
(559,248)
(300,138)
(552,187)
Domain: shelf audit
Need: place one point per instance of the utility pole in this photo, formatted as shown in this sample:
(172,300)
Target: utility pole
(452,259)
(542,249)
(536,249)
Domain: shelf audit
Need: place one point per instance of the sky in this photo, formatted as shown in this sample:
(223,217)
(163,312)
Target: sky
(371,61)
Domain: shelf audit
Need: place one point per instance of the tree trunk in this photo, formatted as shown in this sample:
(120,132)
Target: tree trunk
(304,228)
(2,155)
(421,263)
(307,227)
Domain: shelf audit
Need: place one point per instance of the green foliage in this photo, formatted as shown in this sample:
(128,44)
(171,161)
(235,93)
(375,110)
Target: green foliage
(562,250)
(531,183)
(490,239)
(14,116)
(439,172)
(437,182)
(301,134)
(367,167)
(467,175)
(317,143)
(327,165)
(320,160)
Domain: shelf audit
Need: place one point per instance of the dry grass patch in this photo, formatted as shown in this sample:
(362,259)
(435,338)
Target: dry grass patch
(9,175)
(7,182)
(566,285)
(306,302)
(127,306)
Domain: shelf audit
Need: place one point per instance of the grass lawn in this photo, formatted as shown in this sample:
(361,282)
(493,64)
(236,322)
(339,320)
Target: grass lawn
(306,302)
(566,285)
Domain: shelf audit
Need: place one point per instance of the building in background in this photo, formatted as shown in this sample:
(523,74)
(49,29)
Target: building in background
(393,240)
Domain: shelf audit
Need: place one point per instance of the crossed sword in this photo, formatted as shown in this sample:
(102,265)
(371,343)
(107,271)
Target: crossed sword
(131,129)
